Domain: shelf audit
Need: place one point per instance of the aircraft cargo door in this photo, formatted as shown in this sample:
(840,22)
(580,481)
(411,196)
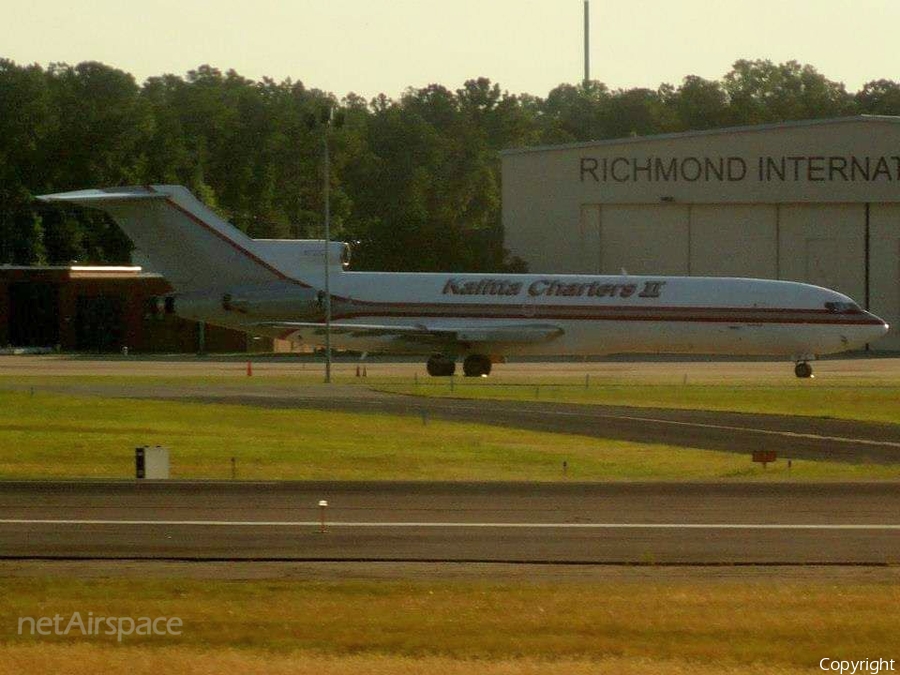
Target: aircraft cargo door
(644,239)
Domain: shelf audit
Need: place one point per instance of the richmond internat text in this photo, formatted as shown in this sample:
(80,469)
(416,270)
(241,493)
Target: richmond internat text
(794,168)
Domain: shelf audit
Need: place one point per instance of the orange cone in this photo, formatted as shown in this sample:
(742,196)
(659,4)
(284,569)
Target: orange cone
(249,369)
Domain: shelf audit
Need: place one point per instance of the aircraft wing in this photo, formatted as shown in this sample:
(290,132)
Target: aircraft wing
(420,333)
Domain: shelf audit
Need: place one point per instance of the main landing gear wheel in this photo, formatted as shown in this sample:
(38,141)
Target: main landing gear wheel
(440,366)
(803,369)
(477,365)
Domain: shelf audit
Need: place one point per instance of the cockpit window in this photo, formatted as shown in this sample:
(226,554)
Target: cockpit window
(843,307)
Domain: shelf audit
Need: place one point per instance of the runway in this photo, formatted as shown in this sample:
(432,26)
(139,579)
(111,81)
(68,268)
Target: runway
(644,523)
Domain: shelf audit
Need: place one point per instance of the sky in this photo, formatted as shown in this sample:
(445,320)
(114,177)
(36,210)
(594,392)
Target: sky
(385,46)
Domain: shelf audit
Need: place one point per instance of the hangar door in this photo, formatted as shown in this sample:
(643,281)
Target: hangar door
(825,245)
(734,240)
(822,244)
(98,323)
(884,291)
(644,239)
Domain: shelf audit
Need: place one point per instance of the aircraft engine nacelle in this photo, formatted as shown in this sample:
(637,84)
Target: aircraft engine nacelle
(269,303)
(303,255)
(298,304)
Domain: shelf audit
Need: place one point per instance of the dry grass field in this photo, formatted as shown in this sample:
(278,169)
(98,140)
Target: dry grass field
(459,626)
(88,659)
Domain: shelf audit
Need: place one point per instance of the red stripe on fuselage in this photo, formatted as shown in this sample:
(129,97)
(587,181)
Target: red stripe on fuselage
(377,304)
(612,316)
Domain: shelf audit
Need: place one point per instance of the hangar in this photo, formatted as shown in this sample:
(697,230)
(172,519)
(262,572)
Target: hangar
(815,201)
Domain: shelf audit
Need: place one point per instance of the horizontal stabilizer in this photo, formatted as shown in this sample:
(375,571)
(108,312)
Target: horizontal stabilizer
(95,198)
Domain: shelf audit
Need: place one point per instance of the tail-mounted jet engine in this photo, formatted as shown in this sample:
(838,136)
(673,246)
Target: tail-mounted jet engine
(271,303)
(282,303)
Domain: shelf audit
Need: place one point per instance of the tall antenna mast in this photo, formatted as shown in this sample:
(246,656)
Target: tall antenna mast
(587,42)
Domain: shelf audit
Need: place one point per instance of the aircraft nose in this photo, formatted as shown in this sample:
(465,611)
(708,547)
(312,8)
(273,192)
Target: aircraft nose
(880,327)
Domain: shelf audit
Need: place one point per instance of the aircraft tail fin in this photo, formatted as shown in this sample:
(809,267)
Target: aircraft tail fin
(188,243)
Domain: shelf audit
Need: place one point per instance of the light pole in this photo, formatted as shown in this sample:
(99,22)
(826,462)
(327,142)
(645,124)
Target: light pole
(327,195)
(587,42)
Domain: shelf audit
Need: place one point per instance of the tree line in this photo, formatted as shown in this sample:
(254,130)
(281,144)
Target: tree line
(415,181)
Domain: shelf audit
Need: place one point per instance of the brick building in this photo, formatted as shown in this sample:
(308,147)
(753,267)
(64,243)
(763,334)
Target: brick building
(100,309)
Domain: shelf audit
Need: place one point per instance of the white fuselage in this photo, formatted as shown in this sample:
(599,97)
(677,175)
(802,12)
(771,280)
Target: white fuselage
(597,314)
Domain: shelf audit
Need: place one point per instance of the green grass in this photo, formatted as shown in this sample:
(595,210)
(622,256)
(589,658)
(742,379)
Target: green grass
(868,403)
(837,395)
(790,624)
(64,436)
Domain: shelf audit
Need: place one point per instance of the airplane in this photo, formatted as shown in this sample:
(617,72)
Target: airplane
(275,288)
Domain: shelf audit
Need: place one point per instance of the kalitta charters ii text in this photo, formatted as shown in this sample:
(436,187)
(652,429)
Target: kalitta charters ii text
(552,287)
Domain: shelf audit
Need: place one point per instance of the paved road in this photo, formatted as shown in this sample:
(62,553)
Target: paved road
(514,522)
